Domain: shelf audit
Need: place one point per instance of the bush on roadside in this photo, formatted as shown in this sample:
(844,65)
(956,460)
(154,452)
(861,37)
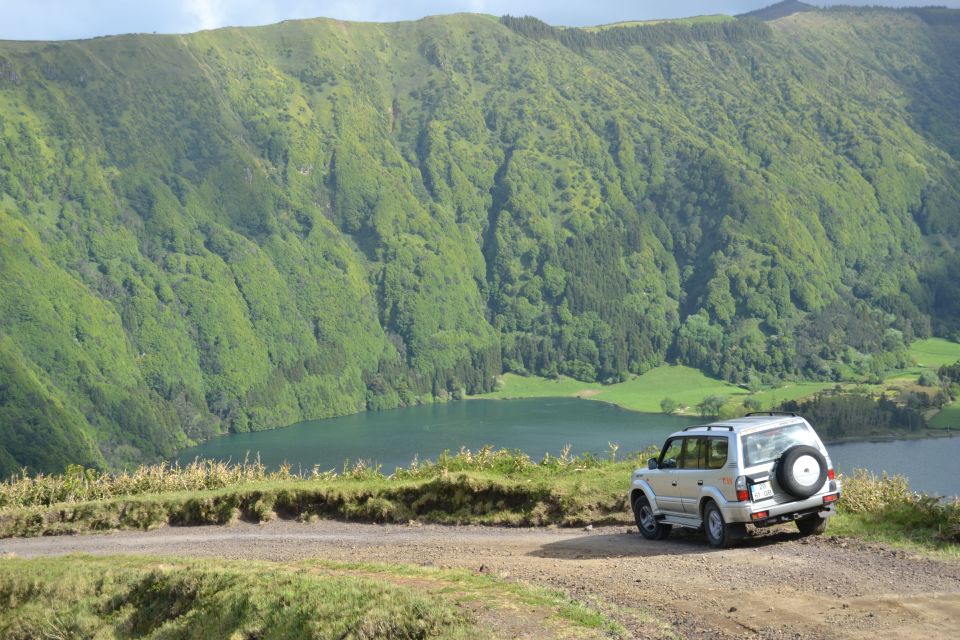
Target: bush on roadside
(77,484)
(887,500)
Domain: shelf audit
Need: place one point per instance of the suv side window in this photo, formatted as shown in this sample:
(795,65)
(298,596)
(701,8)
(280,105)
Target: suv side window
(717,452)
(671,453)
(693,454)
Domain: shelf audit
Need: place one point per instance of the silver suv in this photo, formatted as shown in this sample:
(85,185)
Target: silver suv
(763,469)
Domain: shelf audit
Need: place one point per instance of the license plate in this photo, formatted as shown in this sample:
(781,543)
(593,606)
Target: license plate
(761,490)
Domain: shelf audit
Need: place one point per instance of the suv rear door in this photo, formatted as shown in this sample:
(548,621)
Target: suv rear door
(763,447)
(703,459)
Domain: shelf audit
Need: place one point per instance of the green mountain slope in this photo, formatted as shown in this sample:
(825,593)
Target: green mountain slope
(242,228)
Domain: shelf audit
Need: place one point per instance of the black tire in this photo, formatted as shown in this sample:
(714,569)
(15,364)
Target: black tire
(720,534)
(812,525)
(801,471)
(650,527)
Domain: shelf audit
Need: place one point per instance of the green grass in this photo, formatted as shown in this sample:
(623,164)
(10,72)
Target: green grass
(685,385)
(935,352)
(948,417)
(515,386)
(152,598)
(884,509)
(771,398)
(643,393)
(925,540)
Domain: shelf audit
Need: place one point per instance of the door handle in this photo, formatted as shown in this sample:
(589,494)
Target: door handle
(674,483)
(700,482)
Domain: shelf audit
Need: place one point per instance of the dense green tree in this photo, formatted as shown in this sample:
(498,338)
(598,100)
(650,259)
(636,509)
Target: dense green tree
(711,405)
(668,405)
(857,415)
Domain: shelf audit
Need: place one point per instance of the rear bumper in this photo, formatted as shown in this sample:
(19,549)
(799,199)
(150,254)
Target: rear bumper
(776,513)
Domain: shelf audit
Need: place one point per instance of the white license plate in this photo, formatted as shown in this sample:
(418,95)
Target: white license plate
(761,490)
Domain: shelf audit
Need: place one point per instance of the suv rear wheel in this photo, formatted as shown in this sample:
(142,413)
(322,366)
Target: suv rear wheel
(812,525)
(650,527)
(719,533)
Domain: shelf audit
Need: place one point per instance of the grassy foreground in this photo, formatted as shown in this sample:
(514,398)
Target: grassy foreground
(484,487)
(85,597)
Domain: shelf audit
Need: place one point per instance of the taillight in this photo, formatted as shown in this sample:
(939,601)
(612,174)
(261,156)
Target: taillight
(741,485)
(831,475)
(830,498)
(759,515)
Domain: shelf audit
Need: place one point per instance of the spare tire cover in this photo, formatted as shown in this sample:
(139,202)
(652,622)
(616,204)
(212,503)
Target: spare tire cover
(802,470)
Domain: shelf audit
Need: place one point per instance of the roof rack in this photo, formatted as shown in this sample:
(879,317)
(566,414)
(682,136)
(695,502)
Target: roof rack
(772,413)
(709,427)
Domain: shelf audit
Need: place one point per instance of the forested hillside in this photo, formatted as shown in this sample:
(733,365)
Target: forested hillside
(242,228)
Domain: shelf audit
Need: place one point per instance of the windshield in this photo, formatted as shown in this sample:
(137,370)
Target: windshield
(766,446)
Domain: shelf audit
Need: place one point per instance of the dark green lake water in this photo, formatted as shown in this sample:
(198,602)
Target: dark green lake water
(535,426)
(392,438)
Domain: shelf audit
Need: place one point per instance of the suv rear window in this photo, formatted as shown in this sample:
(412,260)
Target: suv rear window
(767,445)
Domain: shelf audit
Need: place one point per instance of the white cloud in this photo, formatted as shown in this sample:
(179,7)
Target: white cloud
(209,14)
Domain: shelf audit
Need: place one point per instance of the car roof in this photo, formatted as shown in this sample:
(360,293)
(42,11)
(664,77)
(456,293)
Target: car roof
(737,425)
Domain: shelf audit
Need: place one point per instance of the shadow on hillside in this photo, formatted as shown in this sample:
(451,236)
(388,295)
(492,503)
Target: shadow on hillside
(633,545)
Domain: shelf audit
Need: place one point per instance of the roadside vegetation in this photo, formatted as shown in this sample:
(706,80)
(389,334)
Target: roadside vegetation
(153,598)
(883,508)
(487,486)
(483,487)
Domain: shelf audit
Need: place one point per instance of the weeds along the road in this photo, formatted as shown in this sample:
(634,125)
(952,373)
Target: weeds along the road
(484,487)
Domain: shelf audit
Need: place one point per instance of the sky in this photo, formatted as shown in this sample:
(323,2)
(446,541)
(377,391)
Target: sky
(68,19)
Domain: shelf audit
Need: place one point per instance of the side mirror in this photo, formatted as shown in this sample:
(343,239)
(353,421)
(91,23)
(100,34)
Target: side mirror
(652,463)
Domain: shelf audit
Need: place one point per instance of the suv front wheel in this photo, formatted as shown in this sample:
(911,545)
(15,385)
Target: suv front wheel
(719,533)
(650,527)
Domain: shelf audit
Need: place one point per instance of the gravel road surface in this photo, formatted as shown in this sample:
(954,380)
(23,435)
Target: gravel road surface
(772,586)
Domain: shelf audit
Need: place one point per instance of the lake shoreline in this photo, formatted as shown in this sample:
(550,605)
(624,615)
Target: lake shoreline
(878,437)
(931,434)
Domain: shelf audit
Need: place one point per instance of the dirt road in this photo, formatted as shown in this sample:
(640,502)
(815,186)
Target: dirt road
(772,586)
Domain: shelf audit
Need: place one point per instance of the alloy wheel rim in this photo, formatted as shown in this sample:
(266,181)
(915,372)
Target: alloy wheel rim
(647,519)
(715,524)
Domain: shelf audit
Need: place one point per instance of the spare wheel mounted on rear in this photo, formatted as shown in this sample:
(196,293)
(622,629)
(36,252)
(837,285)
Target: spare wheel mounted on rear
(801,470)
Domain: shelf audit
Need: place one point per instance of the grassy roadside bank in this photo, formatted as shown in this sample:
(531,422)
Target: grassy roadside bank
(492,487)
(486,487)
(152,598)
